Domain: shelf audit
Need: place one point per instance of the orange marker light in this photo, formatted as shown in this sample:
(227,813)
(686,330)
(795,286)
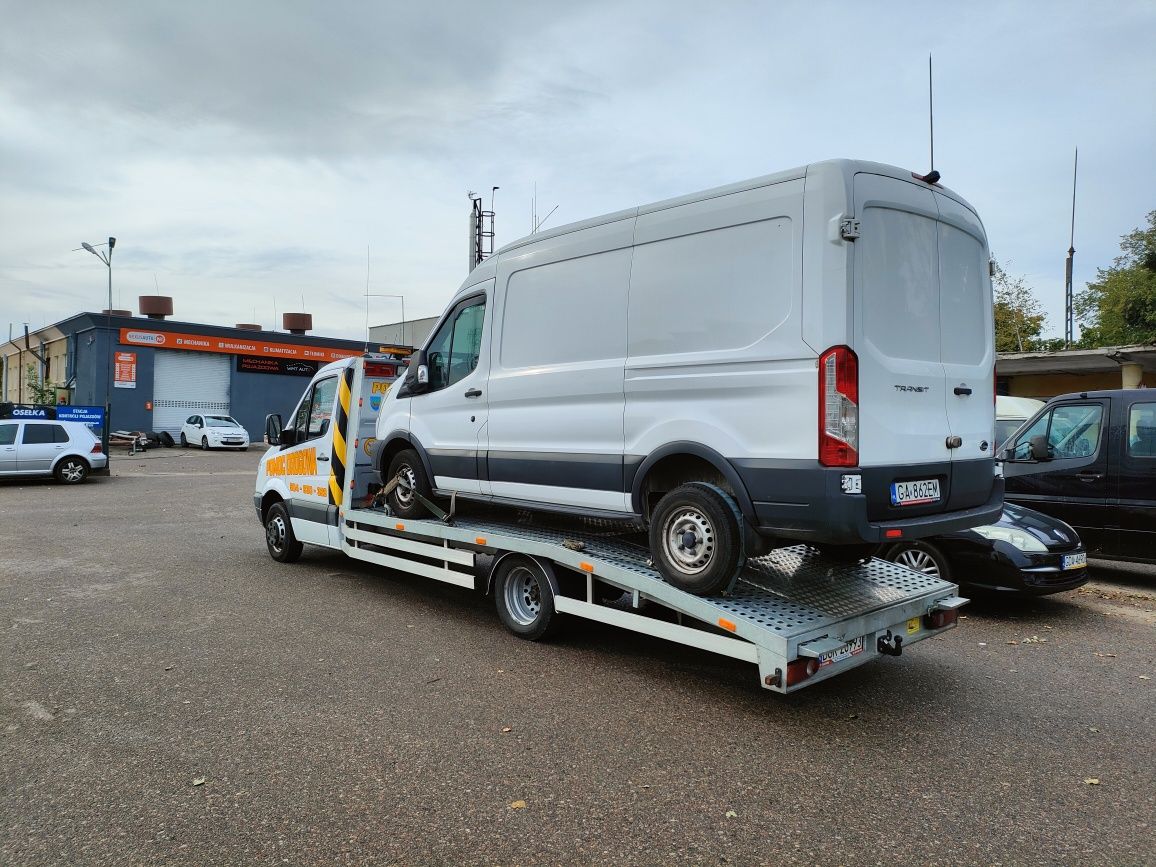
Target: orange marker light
(399,526)
(726,624)
(586,567)
(480,540)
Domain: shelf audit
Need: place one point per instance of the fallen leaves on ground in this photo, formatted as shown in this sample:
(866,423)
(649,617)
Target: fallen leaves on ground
(518,805)
(731,814)
(199,781)
(1092,781)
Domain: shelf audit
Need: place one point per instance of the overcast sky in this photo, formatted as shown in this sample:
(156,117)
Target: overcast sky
(245,154)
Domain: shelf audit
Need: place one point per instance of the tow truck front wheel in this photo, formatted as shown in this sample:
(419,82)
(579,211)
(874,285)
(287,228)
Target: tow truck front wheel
(524,598)
(696,539)
(279,539)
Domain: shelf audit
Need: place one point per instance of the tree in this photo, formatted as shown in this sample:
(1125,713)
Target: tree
(1120,307)
(1019,318)
(39,391)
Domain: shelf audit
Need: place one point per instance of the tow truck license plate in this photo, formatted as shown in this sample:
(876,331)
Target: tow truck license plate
(914,493)
(851,648)
(1075,561)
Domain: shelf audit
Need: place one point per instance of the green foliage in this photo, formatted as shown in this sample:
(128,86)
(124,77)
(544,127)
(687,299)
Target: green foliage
(38,391)
(1019,317)
(1120,307)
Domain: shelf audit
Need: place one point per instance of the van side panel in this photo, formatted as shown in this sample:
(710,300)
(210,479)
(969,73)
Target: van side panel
(555,389)
(715,350)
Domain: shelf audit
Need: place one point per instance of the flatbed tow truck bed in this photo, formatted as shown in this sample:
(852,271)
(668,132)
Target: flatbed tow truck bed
(794,614)
(801,618)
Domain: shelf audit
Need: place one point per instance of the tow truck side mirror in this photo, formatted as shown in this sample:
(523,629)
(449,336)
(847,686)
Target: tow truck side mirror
(273,432)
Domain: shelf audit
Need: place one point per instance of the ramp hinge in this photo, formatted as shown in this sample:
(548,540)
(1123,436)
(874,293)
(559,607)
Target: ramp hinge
(849,229)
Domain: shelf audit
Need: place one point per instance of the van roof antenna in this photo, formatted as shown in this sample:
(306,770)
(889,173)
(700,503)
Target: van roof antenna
(932,177)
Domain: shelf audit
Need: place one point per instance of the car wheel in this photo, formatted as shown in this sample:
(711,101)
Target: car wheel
(402,501)
(524,598)
(184,442)
(204,444)
(696,539)
(71,471)
(279,539)
(921,557)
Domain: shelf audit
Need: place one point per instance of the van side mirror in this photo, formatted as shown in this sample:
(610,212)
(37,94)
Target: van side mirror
(416,379)
(273,430)
(1039,447)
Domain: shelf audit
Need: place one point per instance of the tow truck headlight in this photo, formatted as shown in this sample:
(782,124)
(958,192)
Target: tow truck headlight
(1016,538)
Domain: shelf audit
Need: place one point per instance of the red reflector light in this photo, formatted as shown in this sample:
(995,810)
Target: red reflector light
(839,407)
(940,618)
(800,670)
(379,371)
(97,449)
(894,534)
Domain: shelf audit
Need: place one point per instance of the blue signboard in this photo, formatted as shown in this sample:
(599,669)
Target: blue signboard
(93,416)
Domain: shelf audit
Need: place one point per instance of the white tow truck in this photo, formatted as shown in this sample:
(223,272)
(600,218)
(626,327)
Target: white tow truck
(797,616)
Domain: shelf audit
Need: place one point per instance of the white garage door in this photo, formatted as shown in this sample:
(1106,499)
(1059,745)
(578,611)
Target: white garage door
(188,383)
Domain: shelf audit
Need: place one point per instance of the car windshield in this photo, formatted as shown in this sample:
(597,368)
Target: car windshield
(220,421)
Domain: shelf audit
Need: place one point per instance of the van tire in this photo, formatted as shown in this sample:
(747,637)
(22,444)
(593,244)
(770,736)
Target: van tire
(402,504)
(279,539)
(524,598)
(847,553)
(708,519)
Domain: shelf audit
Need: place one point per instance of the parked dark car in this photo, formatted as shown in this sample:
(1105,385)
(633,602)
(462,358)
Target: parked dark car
(1024,552)
(1089,459)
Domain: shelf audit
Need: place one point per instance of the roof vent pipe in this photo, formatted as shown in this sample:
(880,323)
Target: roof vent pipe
(297,323)
(155,306)
(247,326)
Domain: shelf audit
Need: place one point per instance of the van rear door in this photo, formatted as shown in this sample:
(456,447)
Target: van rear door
(897,329)
(923,333)
(967,342)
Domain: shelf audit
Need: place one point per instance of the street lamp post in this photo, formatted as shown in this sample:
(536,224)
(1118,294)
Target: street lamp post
(106,258)
(369,295)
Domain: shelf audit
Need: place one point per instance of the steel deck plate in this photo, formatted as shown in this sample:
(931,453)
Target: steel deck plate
(790,592)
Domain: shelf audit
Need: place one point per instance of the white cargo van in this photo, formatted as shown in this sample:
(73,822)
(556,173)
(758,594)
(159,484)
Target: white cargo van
(806,356)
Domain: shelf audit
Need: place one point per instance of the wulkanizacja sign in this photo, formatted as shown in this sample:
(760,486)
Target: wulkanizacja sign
(231,345)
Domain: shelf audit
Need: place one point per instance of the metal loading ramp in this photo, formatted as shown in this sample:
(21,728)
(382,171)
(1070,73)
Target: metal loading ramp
(788,605)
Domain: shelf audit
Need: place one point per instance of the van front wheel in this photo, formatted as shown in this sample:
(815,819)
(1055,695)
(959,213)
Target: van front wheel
(402,502)
(696,539)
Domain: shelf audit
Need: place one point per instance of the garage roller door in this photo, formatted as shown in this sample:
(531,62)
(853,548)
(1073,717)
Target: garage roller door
(188,383)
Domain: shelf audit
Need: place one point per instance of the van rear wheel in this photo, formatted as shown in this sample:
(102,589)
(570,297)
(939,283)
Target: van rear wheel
(696,539)
(402,502)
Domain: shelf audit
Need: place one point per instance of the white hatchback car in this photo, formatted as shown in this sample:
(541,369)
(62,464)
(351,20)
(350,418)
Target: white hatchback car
(214,432)
(66,450)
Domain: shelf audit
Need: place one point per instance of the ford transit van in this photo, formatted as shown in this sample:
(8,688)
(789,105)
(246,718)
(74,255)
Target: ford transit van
(806,356)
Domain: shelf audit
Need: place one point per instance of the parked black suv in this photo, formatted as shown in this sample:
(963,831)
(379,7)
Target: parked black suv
(1089,459)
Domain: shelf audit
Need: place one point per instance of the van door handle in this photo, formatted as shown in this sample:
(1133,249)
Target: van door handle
(322,458)
(474,392)
(962,390)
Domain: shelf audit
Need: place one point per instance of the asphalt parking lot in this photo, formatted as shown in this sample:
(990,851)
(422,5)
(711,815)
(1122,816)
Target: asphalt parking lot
(172,695)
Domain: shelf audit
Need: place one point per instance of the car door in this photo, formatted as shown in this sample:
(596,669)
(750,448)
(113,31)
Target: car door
(449,418)
(305,465)
(1075,485)
(8,436)
(1136,486)
(39,447)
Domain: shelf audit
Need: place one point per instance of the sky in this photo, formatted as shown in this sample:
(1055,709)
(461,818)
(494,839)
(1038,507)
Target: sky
(259,157)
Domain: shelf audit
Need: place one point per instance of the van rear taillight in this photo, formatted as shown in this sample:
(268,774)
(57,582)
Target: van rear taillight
(839,407)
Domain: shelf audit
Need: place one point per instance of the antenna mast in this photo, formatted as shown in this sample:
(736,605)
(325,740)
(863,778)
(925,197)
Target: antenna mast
(1068,299)
(931,110)
(481,229)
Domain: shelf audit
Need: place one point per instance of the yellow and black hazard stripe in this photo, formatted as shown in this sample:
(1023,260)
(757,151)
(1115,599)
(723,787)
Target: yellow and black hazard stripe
(340,430)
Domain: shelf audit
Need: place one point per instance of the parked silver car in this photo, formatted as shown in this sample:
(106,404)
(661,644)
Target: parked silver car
(66,450)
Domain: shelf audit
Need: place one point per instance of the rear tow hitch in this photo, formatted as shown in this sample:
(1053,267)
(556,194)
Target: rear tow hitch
(890,645)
